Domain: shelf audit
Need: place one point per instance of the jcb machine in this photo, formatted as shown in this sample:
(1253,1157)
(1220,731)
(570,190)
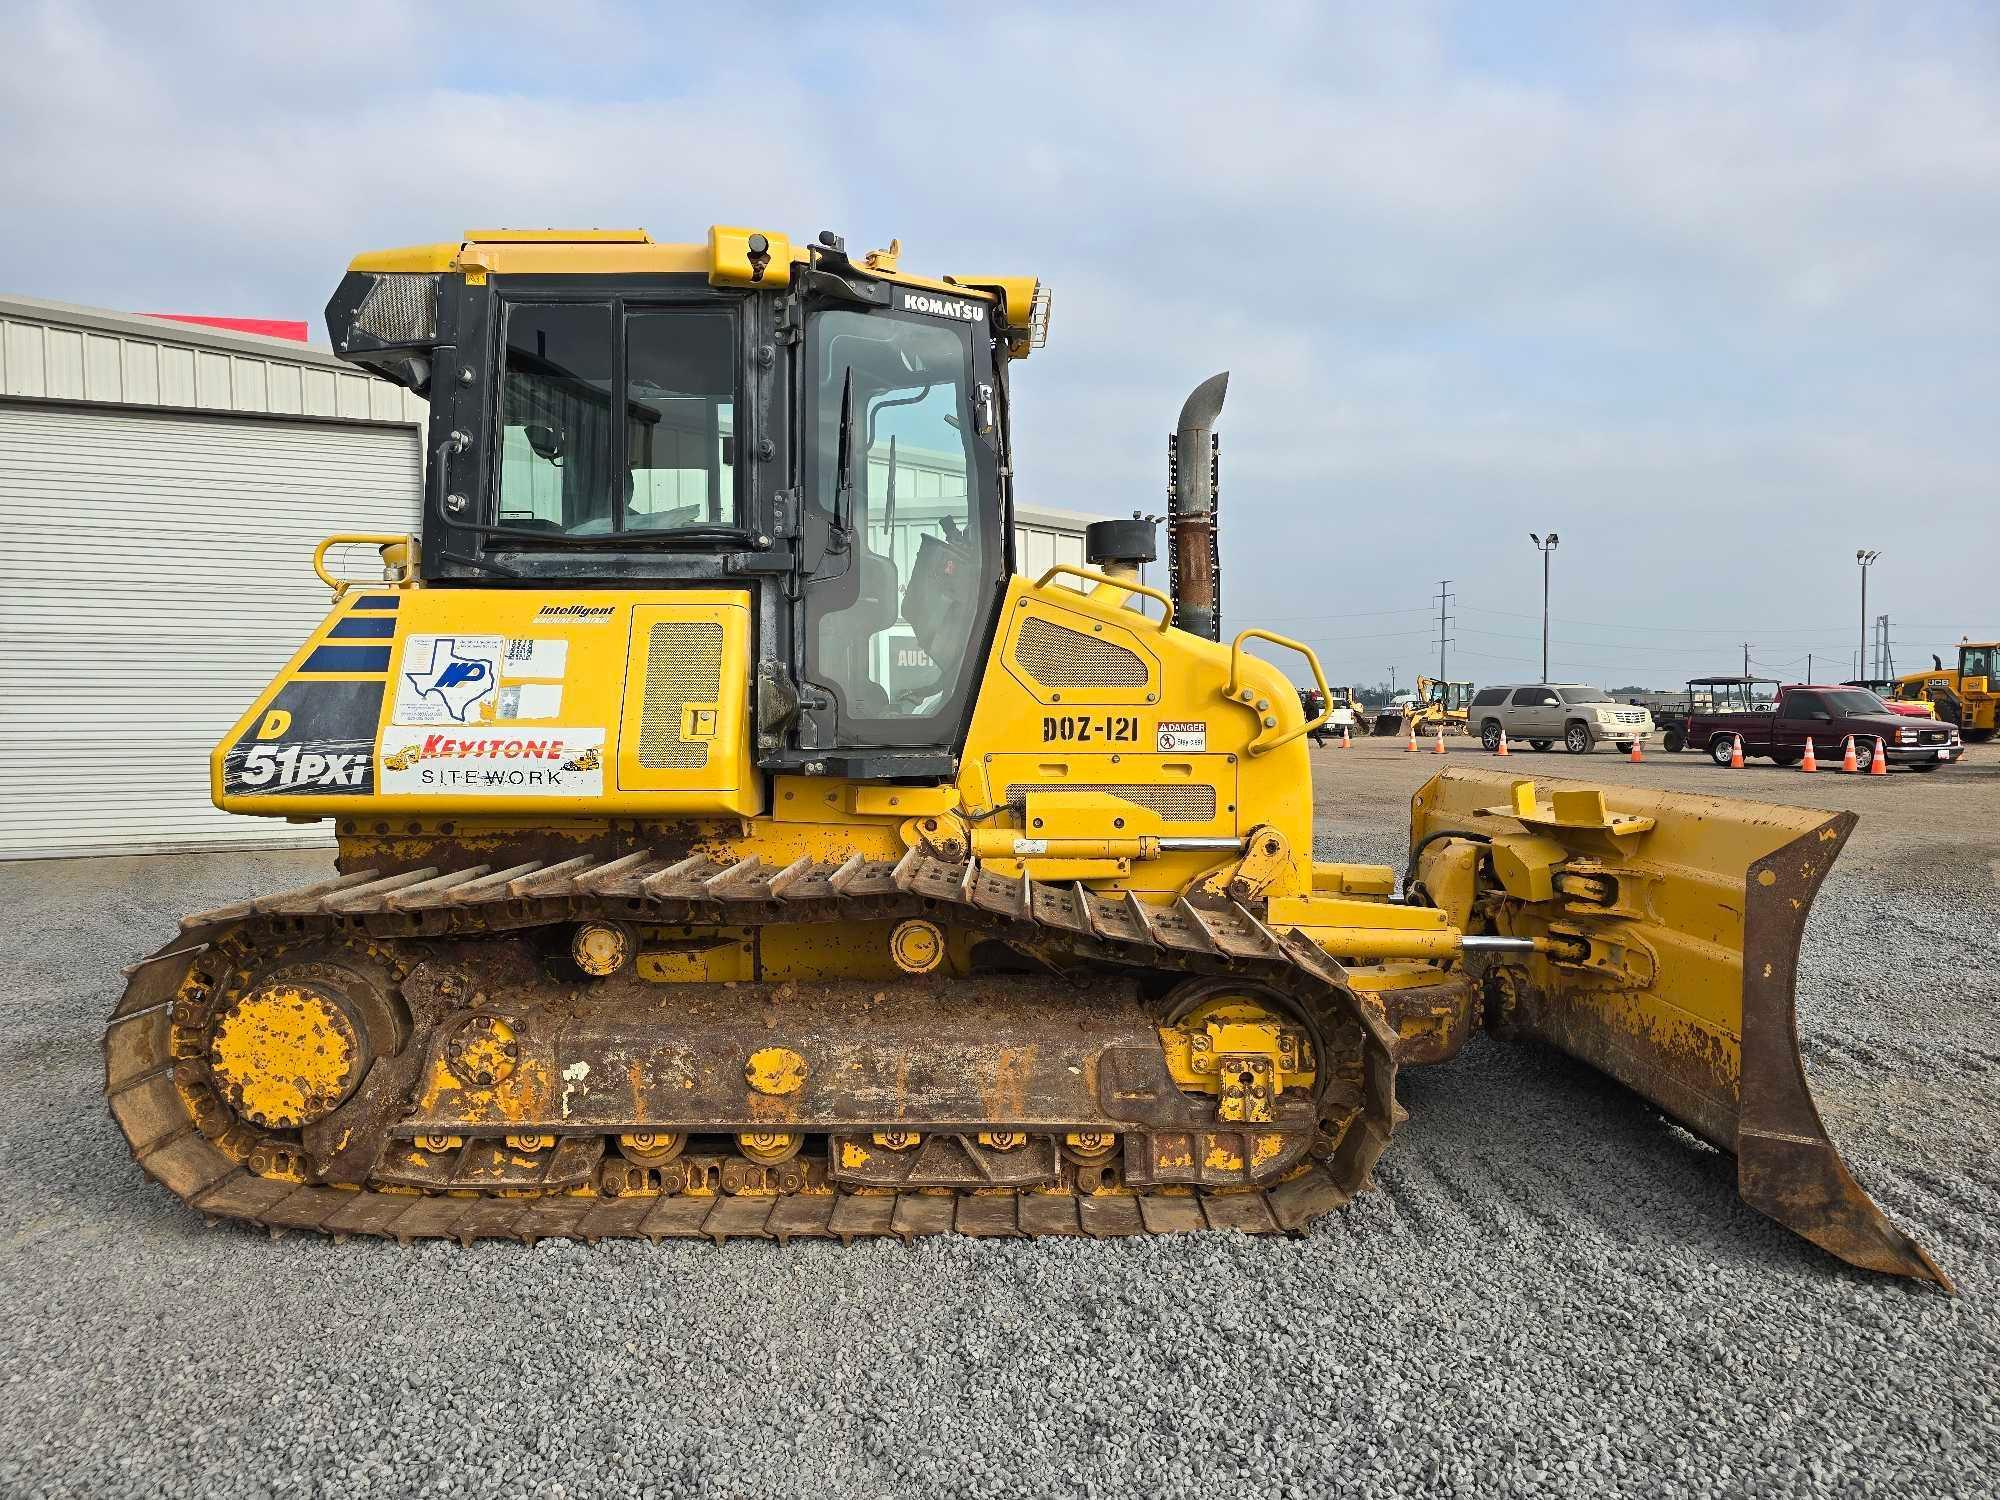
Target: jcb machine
(730,844)
(1966,693)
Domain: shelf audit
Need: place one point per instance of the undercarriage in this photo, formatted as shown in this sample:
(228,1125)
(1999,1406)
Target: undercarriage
(659,1045)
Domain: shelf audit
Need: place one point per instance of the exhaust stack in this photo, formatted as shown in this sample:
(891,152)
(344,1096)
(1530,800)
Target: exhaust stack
(1194,558)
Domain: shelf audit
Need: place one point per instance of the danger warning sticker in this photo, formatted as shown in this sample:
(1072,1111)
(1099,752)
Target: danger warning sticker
(1177,735)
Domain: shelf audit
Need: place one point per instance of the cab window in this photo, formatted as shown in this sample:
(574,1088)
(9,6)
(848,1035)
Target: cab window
(900,596)
(1804,706)
(577,459)
(1977,662)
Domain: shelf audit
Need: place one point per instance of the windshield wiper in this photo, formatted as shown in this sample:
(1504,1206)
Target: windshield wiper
(889,500)
(843,487)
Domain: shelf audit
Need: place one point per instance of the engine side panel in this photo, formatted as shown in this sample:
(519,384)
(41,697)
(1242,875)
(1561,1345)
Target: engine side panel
(497,702)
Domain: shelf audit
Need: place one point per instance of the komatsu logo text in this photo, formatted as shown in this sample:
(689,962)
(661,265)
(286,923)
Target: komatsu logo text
(943,307)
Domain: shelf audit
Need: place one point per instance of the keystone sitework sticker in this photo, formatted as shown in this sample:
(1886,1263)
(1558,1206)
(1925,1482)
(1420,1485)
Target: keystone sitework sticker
(490,762)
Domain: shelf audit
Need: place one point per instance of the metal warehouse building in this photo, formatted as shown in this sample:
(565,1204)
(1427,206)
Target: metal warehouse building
(165,485)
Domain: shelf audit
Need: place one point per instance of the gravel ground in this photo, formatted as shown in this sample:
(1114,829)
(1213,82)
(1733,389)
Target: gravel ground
(1551,1293)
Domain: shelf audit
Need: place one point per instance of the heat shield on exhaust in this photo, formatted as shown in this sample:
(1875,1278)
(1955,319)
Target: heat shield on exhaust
(1674,921)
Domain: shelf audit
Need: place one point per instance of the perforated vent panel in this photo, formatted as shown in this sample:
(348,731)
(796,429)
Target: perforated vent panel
(400,308)
(1175,804)
(683,666)
(1056,656)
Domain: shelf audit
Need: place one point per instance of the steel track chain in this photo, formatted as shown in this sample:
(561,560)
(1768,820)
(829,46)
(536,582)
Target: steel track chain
(648,887)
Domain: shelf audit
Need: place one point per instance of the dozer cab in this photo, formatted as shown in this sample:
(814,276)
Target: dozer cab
(731,844)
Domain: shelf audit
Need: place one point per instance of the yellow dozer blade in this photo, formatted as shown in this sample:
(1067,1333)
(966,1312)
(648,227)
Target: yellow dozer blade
(1671,925)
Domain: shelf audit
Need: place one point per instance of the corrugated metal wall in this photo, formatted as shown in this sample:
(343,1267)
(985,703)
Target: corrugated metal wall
(156,577)
(165,485)
(1041,541)
(52,352)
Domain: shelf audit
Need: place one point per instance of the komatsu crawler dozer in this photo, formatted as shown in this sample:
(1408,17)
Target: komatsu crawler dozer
(731,843)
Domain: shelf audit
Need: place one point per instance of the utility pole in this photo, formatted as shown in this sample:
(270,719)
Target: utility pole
(1444,597)
(1864,556)
(1546,548)
(1746,658)
(1809,676)
(1392,682)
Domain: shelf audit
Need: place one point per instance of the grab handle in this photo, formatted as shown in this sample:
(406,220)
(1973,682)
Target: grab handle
(1268,738)
(360,539)
(1131,586)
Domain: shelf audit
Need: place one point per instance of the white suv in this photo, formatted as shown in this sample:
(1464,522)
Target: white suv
(1542,713)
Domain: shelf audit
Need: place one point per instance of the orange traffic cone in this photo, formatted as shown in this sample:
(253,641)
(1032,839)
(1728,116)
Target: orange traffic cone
(1411,748)
(1503,744)
(1811,762)
(1343,737)
(1440,743)
(1879,764)
(1636,756)
(1847,761)
(1736,754)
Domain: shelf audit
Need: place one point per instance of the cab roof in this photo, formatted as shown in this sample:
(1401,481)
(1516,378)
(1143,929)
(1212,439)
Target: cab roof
(732,255)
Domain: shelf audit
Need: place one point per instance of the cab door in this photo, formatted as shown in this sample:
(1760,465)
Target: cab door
(1799,716)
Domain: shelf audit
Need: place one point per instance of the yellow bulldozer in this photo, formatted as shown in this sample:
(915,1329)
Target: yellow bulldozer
(1966,693)
(731,844)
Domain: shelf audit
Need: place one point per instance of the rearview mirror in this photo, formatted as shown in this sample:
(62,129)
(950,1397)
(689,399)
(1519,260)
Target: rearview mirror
(546,441)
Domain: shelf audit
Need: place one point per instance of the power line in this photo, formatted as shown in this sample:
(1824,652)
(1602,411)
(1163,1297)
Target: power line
(1736,630)
(1358,614)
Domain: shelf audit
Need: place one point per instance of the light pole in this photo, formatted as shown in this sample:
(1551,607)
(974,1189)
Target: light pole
(1546,548)
(1864,556)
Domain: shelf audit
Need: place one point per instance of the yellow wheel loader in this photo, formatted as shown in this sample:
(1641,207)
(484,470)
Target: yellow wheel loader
(732,845)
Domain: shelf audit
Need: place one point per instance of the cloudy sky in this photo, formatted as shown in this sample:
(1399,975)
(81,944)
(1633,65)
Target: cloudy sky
(1710,290)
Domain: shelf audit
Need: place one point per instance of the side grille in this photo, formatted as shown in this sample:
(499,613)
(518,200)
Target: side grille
(683,666)
(1057,656)
(1174,804)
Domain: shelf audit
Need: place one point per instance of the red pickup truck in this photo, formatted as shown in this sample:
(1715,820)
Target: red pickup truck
(1722,708)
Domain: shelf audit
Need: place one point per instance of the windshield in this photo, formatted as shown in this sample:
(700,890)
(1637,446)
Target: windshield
(577,461)
(1977,661)
(901,591)
(1584,695)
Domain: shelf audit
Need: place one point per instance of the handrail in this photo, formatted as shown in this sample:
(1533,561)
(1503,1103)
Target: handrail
(1244,697)
(1129,585)
(359,539)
